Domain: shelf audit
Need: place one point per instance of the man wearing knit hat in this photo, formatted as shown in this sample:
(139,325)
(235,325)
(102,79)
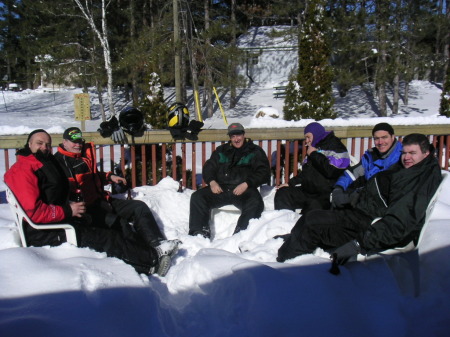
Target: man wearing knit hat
(326,160)
(384,154)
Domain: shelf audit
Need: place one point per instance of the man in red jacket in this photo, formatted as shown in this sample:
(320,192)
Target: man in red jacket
(78,161)
(39,183)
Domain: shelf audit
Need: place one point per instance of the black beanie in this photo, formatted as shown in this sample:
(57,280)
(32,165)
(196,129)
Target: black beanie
(32,133)
(384,127)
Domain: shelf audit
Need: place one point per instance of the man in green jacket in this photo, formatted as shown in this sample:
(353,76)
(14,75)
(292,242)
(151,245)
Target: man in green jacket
(233,174)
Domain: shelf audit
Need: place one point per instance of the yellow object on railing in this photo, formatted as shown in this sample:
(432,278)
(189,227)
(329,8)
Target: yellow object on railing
(197,106)
(220,107)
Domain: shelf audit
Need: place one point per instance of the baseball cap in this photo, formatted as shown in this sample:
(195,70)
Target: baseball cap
(235,129)
(74,135)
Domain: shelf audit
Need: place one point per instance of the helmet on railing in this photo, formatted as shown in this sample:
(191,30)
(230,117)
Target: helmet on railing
(131,120)
(178,116)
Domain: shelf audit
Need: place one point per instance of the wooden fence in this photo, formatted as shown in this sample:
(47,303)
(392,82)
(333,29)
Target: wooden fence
(154,156)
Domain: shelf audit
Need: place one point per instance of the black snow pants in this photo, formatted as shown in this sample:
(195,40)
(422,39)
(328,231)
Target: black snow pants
(323,228)
(202,201)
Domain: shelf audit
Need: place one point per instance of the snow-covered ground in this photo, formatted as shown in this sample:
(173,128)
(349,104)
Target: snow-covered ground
(231,286)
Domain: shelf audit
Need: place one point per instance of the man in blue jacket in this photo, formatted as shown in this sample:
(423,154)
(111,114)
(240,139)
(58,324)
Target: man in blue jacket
(233,174)
(386,152)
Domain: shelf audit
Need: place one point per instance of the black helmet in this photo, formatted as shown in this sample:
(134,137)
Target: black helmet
(131,120)
(178,116)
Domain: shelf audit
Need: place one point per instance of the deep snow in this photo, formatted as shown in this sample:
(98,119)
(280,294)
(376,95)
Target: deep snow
(231,286)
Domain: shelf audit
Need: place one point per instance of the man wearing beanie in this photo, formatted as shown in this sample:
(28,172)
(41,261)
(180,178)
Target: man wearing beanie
(326,160)
(384,154)
(233,174)
(42,189)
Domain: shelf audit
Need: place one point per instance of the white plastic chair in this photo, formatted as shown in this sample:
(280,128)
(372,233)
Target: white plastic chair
(411,246)
(20,216)
(402,260)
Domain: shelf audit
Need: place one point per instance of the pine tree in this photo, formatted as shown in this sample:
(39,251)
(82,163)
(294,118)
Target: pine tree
(310,95)
(445,96)
(153,106)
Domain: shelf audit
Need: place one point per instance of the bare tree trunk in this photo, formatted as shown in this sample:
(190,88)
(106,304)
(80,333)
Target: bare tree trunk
(100,99)
(406,94)
(134,82)
(447,40)
(193,58)
(396,98)
(177,46)
(103,38)
(381,71)
(208,73)
(233,98)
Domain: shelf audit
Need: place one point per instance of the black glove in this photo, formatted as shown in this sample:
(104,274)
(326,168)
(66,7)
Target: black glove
(345,252)
(107,128)
(339,198)
(353,198)
(193,129)
(112,129)
(342,254)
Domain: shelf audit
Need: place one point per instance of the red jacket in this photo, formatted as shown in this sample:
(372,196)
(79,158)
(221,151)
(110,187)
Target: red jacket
(40,187)
(81,170)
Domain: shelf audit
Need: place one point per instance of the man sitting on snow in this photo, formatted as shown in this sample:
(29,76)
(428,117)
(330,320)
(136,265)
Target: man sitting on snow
(42,189)
(399,196)
(234,172)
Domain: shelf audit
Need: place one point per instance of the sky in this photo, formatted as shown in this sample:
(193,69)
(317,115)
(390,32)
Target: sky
(232,285)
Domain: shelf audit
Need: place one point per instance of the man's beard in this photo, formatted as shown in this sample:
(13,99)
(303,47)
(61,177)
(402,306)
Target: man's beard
(42,155)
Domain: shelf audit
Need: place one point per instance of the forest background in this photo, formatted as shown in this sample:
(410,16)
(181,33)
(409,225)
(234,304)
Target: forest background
(143,46)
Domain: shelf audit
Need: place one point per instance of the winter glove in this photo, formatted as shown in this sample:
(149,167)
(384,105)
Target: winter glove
(118,136)
(107,128)
(193,129)
(342,254)
(353,198)
(339,198)
(112,129)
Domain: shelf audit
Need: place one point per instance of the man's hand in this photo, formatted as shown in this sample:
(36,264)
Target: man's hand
(282,185)
(241,188)
(310,150)
(339,198)
(118,180)
(215,187)
(78,208)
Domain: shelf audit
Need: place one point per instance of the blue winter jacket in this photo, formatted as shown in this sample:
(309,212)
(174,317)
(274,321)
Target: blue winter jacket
(370,164)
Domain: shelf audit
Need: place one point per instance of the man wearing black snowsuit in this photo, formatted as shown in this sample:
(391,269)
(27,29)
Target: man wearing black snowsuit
(41,187)
(326,160)
(234,172)
(399,196)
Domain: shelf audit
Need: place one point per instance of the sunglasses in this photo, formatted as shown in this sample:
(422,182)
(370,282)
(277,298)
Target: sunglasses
(75,136)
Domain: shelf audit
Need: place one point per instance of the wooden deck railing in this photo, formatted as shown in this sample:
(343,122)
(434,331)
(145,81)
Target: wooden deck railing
(149,158)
